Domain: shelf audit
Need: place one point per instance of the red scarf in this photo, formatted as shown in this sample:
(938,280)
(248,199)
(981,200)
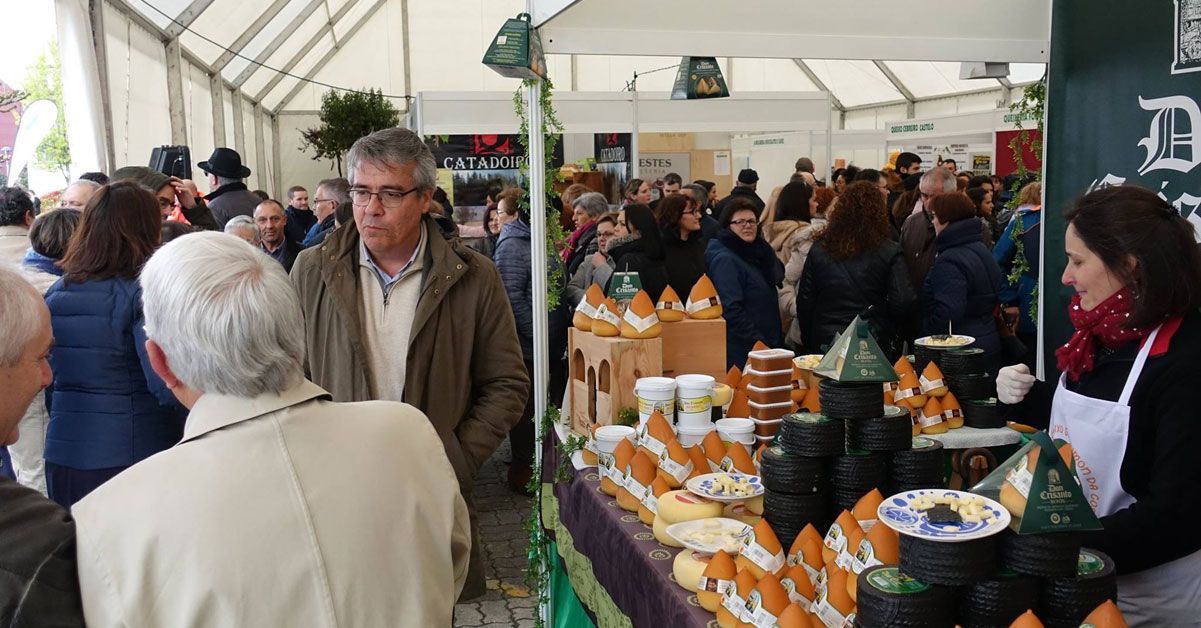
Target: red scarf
(573,238)
(1102,324)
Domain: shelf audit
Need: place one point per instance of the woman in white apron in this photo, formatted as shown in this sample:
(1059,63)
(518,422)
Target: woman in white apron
(1128,396)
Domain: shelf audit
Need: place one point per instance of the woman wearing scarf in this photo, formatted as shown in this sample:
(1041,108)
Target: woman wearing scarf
(746,273)
(637,248)
(1127,399)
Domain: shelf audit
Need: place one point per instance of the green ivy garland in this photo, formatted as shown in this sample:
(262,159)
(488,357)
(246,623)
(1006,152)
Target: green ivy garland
(1033,104)
(552,130)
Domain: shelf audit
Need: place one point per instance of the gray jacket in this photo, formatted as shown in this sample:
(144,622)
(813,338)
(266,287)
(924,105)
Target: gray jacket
(229,200)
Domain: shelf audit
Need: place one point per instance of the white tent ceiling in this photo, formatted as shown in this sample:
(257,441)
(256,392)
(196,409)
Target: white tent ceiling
(407,46)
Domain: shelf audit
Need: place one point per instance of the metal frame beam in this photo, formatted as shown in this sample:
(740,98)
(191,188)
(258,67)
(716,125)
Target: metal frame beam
(250,33)
(304,50)
(239,127)
(186,17)
(808,71)
(332,51)
(260,149)
(283,36)
(404,28)
(100,46)
(175,95)
(217,96)
(897,85)
(279,174)
(1007,91)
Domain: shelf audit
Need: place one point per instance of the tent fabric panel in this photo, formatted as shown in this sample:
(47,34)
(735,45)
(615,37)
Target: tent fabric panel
(260,41)
(137,74)
(199,103)
(248,151)
(284,53)
(296,166)
(854,82)
(926,79)
(348,67)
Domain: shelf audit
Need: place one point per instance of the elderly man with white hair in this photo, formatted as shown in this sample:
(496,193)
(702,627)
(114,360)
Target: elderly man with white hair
(37,542)
(917,233)
(278,507)
(245,228)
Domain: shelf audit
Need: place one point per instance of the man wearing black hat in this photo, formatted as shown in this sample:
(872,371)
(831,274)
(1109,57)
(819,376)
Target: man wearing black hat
(229,196)
(748,181)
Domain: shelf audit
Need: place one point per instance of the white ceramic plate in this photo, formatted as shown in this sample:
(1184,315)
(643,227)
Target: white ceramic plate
(711,535)
(897,513)
(930,343)
(707,485)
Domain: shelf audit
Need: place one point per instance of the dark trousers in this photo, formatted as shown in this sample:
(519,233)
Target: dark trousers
(521,436)
(67,485)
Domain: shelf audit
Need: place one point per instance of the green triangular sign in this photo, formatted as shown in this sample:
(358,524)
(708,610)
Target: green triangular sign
(699,77)
(1037,482)
(516,51)
(855,357)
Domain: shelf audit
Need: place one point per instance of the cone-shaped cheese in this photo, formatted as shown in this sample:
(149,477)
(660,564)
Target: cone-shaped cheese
(622,454)
(766,538)
(675,465)
(793,617)
(838,593)
(607,320)
(590,456)
(658,429)
(797,395)
(951,411)
(703,302)
(801,582)
(932,421)
(881,543)
(837,535)
(1026,620)
(1106,615)
(889,398)
(865,508)
(810,532)
(759,346)
(915,415)
(744,583)
(909,391)
(640,321)
(700,464)
(740,406)
(1065,453)
(772,594)
(741,459)
(903,366)
(854,537)
(642,470)
(721,567)
(1010,497)
(687,569)
(734,377)
(715,450)
(586,310)
(812,402)
(670,308)
(658,488)
(932,381)
(811,554)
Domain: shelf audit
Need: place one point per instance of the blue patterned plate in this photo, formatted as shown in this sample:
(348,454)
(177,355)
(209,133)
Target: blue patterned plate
(898,513)
(707,486)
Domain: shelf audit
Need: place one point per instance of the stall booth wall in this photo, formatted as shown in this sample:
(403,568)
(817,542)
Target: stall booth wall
(967,138)
(773,155)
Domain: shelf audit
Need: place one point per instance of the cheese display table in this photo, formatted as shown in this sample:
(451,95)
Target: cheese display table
(621,574)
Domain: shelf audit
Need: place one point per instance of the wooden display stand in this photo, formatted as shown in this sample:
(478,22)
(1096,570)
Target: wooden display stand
(695,346)
(602,375)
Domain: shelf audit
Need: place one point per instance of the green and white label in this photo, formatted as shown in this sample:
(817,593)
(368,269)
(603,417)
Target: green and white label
(891,580)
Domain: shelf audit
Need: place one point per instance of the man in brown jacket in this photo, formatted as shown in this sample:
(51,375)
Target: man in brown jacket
(395,312)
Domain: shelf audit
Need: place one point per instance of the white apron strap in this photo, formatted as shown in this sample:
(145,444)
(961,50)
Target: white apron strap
(1137,369)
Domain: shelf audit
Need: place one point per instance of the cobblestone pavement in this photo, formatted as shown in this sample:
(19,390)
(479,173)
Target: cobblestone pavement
(508,603)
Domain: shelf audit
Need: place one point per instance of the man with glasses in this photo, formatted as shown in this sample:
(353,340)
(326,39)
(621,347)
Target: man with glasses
(697,197)
(331,194)
(917,234)
(395,312)
(77,195)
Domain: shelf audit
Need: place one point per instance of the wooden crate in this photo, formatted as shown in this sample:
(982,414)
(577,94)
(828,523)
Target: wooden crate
(602,374)
(695,346)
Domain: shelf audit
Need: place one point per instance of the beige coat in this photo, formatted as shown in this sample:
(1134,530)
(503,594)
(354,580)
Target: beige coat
(14,240)
(464,367)
(798,244)
(283,510)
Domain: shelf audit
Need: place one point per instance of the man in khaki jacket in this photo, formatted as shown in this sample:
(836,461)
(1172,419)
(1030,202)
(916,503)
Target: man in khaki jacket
(394,311)
(278,507)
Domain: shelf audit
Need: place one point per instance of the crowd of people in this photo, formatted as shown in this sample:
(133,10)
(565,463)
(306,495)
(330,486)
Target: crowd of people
(203,404)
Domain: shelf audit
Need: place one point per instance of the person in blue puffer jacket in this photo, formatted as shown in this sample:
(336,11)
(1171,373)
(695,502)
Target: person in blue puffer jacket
(108,410)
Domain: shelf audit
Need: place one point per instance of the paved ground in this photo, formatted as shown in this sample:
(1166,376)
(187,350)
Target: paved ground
(508,603)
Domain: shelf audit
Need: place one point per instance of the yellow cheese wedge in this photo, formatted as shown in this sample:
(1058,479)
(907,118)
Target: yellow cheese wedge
(621,457)
(865,508)
(688,567)
(658,488)
(603,324)
(582,319)
(677,506)
(755,505)
(703,302)
(640,321)
(1106,615)
(670,308)
(721,567)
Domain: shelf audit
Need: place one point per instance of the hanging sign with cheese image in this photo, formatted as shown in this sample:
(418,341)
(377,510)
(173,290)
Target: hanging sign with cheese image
(1039,490)
(855,357)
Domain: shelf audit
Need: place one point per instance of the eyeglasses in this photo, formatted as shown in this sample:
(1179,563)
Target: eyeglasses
(390,199)
(688,212)
(318,201)
(744,222)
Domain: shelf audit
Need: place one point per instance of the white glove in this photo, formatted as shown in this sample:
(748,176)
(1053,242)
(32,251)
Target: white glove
(1013,383)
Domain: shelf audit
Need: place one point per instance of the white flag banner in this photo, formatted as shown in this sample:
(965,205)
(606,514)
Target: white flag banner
(36,121)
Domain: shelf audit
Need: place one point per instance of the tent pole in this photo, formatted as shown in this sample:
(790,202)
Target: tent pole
(537,183)
(829,141)
(635,158)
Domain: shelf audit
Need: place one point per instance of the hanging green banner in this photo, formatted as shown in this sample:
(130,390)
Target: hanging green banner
(1123,108)
(699,77)
(516,51)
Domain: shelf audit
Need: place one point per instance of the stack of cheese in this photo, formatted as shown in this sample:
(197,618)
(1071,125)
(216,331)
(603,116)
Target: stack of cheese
(933,408)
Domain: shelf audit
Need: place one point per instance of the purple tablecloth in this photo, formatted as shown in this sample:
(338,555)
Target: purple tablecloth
(627,561)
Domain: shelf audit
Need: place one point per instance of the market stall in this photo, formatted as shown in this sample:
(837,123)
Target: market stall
(774,155)
(976,141)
